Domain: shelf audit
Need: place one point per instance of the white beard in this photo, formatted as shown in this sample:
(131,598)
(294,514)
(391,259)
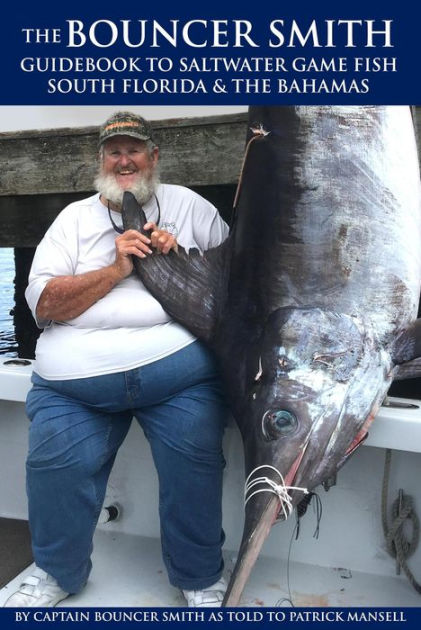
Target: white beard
(143,188)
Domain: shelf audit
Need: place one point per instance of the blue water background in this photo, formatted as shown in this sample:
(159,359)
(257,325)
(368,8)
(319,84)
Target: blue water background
(8,345)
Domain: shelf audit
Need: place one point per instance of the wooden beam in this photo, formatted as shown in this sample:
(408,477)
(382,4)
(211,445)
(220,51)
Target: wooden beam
(43,171)
(24,219)
(194,152)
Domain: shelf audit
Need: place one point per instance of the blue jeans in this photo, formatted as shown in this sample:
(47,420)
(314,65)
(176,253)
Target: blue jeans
(77,427)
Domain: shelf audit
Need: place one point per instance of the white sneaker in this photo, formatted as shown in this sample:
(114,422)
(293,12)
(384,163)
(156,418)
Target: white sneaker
(210,597)
(38,590)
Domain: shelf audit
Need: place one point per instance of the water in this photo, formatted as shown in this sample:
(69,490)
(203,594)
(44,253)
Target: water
(8,346)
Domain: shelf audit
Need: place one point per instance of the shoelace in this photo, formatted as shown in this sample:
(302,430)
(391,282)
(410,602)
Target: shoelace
(29,584)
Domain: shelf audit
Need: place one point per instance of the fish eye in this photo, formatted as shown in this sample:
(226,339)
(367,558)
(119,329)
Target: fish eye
(276,423)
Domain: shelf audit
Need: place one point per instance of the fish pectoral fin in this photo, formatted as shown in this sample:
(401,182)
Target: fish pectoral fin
(407,352)
(410,369)
(188,285)
(407,345)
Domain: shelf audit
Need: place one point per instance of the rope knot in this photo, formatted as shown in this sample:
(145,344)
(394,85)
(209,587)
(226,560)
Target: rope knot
(397,544)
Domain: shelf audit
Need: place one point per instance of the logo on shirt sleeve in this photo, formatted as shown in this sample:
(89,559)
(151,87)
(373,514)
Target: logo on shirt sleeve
(170,227)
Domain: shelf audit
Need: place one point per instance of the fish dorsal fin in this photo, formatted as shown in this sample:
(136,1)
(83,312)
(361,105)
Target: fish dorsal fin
(189,286)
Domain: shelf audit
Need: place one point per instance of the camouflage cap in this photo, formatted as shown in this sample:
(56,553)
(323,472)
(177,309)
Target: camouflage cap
(125,124)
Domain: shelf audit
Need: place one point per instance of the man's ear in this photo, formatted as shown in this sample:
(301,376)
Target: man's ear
(155,154)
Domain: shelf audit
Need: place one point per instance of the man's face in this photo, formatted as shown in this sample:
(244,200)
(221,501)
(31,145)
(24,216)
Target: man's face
(127,164)
(128,159)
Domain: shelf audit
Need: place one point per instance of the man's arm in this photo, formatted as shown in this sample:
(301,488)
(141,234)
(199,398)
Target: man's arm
(67,297)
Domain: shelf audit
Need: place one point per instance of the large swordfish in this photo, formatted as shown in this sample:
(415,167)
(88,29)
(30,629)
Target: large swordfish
(310,304)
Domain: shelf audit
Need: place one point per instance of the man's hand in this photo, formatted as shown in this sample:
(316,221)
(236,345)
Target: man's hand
(133,243)
(160,239)
(66,297)
(127,244)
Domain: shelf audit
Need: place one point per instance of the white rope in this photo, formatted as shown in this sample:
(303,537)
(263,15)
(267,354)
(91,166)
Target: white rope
(280,489)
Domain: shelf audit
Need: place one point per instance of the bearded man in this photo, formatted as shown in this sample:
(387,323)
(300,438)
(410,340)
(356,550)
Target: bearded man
(109,352)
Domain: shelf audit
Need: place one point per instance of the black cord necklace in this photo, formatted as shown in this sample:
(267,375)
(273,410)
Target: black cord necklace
(119,229)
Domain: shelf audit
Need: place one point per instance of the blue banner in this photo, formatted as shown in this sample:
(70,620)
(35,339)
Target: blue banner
(222,54)
(204,618)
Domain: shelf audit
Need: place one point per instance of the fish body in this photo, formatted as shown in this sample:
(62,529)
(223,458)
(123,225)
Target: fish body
(310,302)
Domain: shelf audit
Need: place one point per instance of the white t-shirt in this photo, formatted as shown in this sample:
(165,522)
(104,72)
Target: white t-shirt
(126,328)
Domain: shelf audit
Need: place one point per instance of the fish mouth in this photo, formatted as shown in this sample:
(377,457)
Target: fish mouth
(279,506)
(262,512)
(284,495)
(358,440)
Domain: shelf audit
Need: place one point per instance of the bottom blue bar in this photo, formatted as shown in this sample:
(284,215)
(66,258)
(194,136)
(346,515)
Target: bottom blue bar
(177,617)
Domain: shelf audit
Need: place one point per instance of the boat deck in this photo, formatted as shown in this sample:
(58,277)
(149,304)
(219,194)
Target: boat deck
(347,565)
(128,572)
